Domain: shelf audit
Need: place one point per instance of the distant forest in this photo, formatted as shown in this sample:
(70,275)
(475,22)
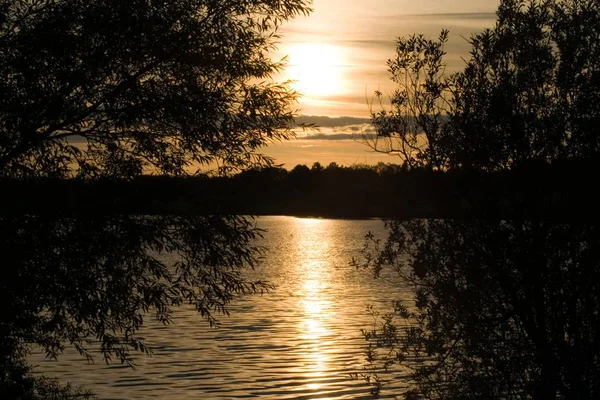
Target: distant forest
(561,190)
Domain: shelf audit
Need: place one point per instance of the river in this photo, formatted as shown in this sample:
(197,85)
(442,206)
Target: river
(301,341)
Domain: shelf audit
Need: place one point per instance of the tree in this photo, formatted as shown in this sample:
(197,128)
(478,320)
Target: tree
(503,309)
(528,92)
(316,167)
(412,127)
(115,89)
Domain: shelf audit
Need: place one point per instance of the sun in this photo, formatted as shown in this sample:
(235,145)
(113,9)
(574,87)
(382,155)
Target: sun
(316,69)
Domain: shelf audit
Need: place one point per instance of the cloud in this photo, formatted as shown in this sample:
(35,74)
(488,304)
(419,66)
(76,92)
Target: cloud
(365,35)
(366,49)
(340,136)
(332,136)
(331,122)
(459,23)
(446,16)
(336,128)
(343,152)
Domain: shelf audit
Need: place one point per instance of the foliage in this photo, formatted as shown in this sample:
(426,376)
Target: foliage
(502,309)
(18,383)
(132,265)
(412,127)
(113,88)
(546,191)
(116,89)
(91,280)
(529,91)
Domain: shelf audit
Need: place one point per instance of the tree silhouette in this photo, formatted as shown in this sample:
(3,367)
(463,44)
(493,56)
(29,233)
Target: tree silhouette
(503,309)
(412,127)
(114,89)
(528,92)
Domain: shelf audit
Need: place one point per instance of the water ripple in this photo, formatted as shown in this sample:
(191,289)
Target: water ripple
(301,342)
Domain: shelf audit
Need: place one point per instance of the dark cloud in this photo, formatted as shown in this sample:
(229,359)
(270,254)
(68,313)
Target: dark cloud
(445,16)
(332,136)
(369,44)
(339,136)
(331,122)
(356,129)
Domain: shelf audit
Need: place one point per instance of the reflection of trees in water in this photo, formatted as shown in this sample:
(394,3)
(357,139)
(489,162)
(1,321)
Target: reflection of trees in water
(78,280)
(111,90)
(502,309)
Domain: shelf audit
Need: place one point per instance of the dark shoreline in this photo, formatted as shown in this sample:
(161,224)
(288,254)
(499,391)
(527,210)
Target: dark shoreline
(546,192)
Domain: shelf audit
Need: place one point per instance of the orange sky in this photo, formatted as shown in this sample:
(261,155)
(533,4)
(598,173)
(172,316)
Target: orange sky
(338,54)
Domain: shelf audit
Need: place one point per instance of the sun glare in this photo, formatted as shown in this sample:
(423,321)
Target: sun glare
(316,69)
(314,294)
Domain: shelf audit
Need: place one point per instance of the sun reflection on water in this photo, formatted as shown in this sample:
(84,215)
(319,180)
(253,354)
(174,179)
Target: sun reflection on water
(301,341)
(312,244)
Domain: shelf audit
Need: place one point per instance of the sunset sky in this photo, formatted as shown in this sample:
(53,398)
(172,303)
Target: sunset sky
(338,54)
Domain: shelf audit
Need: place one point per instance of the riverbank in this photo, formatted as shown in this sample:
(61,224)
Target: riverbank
(545,192)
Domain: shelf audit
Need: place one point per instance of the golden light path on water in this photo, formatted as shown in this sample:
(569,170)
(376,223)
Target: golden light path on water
(302,341)
(311,245)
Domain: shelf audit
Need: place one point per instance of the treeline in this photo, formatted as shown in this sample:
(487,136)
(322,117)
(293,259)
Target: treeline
(561,190)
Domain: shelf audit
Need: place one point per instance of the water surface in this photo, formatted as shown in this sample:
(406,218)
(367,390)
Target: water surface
(300,342)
